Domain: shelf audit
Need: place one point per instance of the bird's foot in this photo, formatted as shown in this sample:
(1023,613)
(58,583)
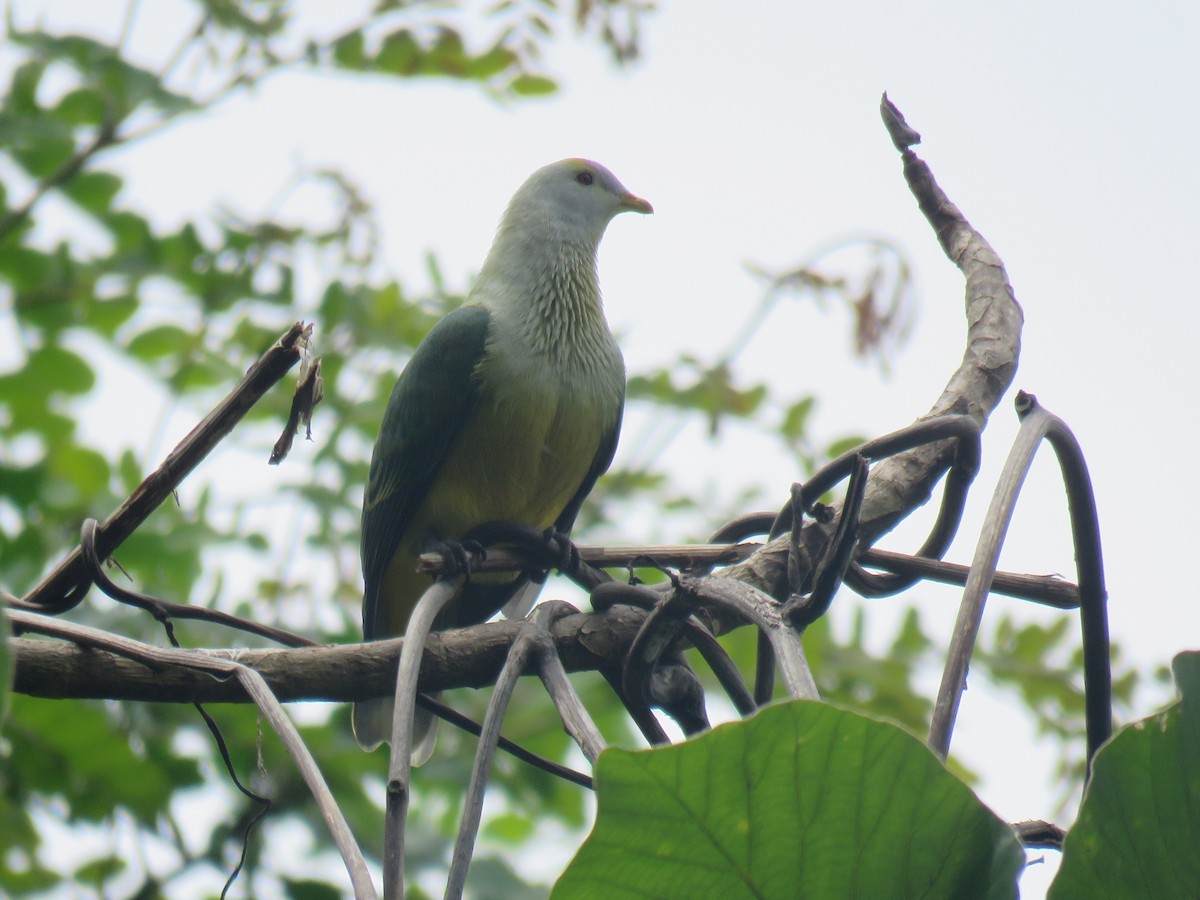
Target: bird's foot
(561,551)
(460,556)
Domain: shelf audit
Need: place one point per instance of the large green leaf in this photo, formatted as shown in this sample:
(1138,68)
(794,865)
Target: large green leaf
(802,800)
(1138,833)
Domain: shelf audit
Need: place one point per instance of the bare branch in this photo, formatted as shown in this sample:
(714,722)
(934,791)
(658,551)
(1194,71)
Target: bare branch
(902,483)
(63,587)
(1045,589)
(463,658)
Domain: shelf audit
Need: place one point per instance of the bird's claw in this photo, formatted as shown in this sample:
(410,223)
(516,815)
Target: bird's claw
(561,551)
(460,556)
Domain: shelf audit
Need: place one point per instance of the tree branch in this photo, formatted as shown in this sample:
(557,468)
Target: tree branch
(469,657)
(904,482)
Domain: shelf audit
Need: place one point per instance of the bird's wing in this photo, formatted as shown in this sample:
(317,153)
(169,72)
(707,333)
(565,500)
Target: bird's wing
(600,463)
(432,399)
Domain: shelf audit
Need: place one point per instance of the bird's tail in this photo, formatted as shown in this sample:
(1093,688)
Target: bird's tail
(372,720)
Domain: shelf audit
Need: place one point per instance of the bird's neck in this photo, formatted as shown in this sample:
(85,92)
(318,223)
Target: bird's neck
(544,287)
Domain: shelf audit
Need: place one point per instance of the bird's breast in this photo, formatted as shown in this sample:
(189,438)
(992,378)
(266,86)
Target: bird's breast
(524,451)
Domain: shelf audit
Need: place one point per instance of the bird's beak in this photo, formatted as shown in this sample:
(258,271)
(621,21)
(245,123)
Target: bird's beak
(636,204)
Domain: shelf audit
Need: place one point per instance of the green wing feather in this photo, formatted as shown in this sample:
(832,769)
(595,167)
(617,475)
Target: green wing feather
(434,395)
(600,463)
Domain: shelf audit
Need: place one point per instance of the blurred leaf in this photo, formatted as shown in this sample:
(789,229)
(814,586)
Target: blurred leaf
(844,445)
(52,369)
(802,799)
(492,63)
(71,749)
(43,149)
(161,341)
(795,418)
(350,51)
(399,54)
(308,889)
(447,56)
(532,86)
(124,85)
(106,316)
(6,669)
(494,879)
(510,828)
(99,870)
(93,191)
(22,92)
(82,106)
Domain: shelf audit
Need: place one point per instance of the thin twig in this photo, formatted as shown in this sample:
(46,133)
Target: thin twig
(1045,589)
(62,588)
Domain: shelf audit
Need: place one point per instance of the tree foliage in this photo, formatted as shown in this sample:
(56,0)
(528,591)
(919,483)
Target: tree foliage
(97,295)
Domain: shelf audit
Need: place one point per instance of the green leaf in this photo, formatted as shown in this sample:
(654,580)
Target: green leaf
(350,52)
(106,316)
(82,106)
(511,828)
(801,800)
(43,151)
(492,63)
(22,94)
(842,445)
(123,85)
(54,368)
(93,191)
(1139,825)
(131,232)
(532,86)
(161,341)
(71,749)
(400,53)
(98,871)
(85,469)
(795,418)
(308,889)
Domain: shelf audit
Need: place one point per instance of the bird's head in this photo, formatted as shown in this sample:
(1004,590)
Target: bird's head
(576,195)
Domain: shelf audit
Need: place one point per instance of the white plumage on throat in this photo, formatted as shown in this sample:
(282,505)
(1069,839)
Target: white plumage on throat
(539,279)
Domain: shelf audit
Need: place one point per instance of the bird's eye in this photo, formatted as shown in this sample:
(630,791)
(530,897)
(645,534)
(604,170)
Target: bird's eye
(584,178)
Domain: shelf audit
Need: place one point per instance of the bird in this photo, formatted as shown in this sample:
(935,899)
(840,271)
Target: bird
(509,410)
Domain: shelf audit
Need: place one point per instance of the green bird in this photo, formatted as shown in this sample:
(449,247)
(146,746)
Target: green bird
(508,410)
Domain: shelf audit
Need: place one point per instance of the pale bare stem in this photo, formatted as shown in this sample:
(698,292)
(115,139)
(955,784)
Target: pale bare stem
(127,24)
(534,641)
(356,865)
(574,714)
(161,657)
(979,582)
(1037,425)
(177,55)
(399,785)
(763,611)
(522,649)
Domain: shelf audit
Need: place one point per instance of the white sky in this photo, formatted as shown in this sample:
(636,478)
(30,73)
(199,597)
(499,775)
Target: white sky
(1065,132)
